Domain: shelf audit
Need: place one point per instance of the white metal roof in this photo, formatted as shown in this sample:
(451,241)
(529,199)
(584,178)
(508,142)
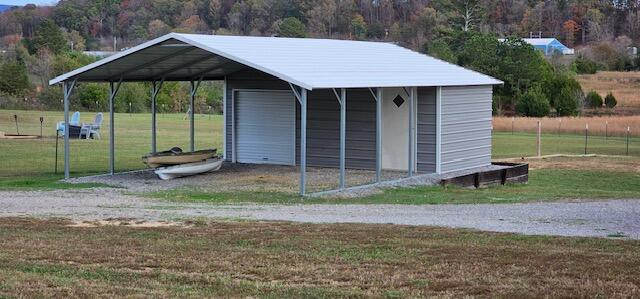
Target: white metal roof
(309,63)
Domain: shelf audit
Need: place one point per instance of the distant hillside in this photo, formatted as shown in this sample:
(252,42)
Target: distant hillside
(4,7)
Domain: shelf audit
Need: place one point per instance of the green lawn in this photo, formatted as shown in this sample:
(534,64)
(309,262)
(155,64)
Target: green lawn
(544,184)
(506,145)
(28,158)
(29,164)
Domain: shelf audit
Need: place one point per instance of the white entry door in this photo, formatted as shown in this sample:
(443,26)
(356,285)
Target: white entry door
(265,127)
(395,129)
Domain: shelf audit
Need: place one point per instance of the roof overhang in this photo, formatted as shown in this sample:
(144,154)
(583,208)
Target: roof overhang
(308,63)
(167,57)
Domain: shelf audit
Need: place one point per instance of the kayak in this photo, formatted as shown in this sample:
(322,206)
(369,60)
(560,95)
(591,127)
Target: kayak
(176,156)
(172,172)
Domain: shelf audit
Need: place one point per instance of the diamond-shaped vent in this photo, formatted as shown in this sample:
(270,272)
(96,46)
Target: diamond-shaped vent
(398,101)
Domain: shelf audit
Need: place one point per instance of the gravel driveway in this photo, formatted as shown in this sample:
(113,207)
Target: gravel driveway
(588,218)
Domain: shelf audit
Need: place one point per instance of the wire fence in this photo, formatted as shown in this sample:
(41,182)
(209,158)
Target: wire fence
(38,156)
(527,137)
(44,154)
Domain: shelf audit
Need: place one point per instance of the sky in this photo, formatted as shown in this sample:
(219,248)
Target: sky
(24,2)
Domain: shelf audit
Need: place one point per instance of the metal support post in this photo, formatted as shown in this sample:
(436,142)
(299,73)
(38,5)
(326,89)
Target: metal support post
(303,141)
(412,101)
(379,134)
(192,127)
(155,89)
(67,88)
(113,90)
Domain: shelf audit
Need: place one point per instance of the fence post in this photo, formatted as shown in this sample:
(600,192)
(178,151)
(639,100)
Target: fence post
(628,131)
(559,126)
(586,137)
(606,130)
(513,120)
(538,145)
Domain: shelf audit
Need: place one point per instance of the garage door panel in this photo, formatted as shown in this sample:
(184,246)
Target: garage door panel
(265,127)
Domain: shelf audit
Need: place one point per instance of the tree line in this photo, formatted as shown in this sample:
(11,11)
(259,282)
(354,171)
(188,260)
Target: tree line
(40,42)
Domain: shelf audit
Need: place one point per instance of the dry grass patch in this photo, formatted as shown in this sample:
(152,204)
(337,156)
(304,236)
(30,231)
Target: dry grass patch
(266,259)
(623,85)
(617,125)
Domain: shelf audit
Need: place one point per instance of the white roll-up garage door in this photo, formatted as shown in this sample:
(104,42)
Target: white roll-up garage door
(265,127)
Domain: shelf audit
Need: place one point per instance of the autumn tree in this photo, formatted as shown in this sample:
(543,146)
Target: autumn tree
(426,23)
(358,27)
(158,28)
(193,24)
(214,13)
(78,43)
(570,28)
(322,18)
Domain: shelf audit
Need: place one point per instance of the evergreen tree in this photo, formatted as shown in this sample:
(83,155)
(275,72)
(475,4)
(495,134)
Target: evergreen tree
(291,27)
(13,78)
(49,36)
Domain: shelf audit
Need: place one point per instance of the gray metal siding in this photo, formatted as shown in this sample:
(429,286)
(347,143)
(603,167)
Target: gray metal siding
(323,123)
(466,127)
(323,129)
(426,130)
(264,124)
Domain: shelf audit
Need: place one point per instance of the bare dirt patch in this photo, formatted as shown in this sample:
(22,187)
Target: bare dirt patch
(235,177)
(127,222)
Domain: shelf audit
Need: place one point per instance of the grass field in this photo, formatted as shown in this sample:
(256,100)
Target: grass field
(598,125)
(623,85)
(30,158)
(507,145)
(276,260)
(132,138)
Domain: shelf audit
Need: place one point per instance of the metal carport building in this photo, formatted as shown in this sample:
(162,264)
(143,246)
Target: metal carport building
(317,102)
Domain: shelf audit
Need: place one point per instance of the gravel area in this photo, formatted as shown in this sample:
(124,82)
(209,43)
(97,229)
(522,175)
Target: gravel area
(589,218)
(252,177)
(241,177)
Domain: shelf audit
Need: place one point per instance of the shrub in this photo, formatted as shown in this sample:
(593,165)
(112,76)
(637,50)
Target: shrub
(583,65)
(555,83)
(134,94)
(593,100)
(13,78)
(567,102)
(610,101)
(533,103)
(440,49)
(51,98)
(92,96)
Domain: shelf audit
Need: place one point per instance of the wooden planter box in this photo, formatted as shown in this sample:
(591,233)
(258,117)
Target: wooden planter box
(513,173)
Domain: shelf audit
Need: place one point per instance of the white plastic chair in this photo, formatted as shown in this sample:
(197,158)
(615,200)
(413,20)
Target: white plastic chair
(92,129)
(73,121)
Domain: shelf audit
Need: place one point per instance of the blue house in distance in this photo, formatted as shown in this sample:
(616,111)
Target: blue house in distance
(548,46)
